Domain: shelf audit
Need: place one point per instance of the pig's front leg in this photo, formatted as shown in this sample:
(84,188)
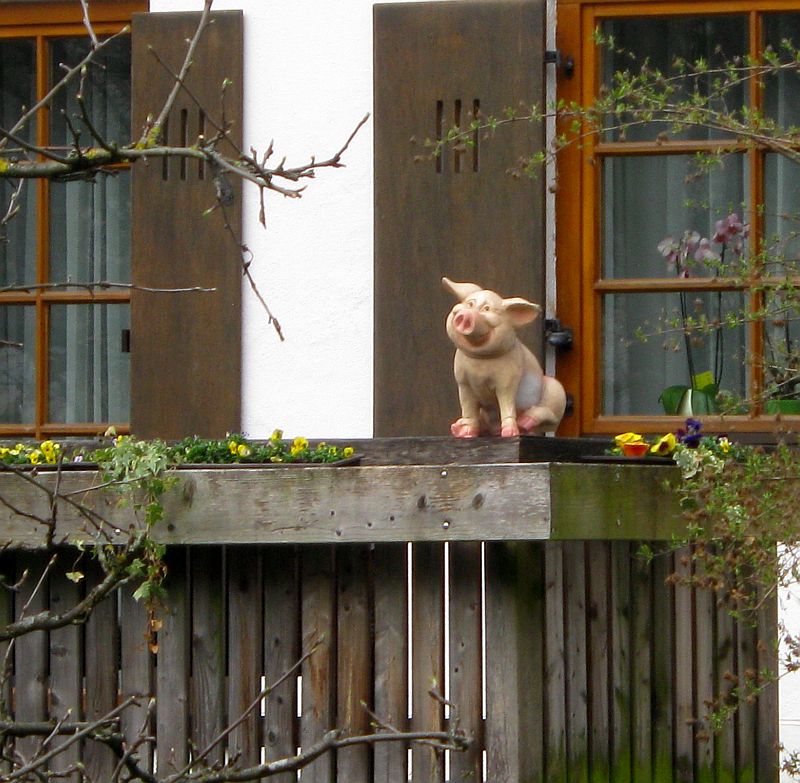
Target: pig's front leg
(506,401)
(469,425)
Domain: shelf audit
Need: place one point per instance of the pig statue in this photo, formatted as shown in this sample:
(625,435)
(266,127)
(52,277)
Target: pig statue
(501,385)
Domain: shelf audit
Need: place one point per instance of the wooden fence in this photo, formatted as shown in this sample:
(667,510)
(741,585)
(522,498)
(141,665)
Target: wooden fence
(563,661)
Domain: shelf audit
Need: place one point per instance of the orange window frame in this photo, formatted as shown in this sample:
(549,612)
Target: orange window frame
(42,22)
(578,212)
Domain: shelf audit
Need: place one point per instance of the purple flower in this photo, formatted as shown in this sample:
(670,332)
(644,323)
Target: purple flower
(730,228)
(690,436)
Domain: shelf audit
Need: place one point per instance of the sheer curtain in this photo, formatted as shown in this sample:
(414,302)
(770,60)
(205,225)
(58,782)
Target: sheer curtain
(17,246)
(90,242)
(647,198)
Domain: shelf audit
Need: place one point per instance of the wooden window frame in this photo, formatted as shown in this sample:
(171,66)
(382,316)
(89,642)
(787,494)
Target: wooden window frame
(578,214)
(41,22)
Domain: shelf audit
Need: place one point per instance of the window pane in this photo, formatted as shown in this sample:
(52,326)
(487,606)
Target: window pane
(17,90)
(17,364)
(780,95)
(90,221)
(782,346)
(782,213)
(661,41)
(636,370)
(648,198)
(89,364)
(90,230)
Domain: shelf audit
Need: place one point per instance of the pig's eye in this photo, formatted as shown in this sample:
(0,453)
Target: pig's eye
(485,308)
(469,303)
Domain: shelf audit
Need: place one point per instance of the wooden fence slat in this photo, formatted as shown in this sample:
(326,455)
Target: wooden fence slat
(725,741)
(575,647)
(6,663)
(598,556)
(767,768)
(704,640)
(620,607)
(30,650)
(515,622)
(746,718)
(172,670)
(555,665)
(137,675)
(391,657)
(465,656)
(281,652)
(65,663)
(662,693)
(319,672)
(207,694)
(642,634)
(245,650)
(354,658)
(684,670)
(101,646)
(427,653)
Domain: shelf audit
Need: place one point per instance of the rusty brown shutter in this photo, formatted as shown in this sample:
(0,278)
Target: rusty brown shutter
(186,348)
(461,216)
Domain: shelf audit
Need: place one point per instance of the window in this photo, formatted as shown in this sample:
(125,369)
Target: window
(620,195)
(64,361)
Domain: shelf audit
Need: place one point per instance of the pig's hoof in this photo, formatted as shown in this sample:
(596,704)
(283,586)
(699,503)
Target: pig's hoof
(527,424)
(509,431)
(463,429)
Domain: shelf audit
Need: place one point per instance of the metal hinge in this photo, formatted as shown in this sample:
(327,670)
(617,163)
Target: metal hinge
(565,62)
(556,334)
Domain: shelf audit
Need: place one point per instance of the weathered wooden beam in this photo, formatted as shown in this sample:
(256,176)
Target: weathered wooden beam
(498,502)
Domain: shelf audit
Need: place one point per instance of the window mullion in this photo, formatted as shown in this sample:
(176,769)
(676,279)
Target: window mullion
(43,239)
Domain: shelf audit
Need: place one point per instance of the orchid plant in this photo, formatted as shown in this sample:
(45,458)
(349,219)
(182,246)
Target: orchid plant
(723,251)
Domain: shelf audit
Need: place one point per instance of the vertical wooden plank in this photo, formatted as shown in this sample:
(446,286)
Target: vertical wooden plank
(662,691)
(598,555)
(281,652)
(725,741)
(427,655)
(684,670)
(465,656)
(576,674)
(66,664)
(245,650)
(621,664)
(172,668)
(207,695)
(555,665)
(642,632)
(515,622)
(7,572)
(30,650)
(746,718)
(353,658)
(391,656)
(704,739)
(101,655)
(137,675)
(767,768)
(319,672)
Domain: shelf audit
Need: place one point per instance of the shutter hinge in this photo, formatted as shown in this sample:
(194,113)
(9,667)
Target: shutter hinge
(565,62)
(125,341)
(556,334)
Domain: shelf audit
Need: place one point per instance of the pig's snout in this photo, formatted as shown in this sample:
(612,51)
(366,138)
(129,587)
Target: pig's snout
(464,322)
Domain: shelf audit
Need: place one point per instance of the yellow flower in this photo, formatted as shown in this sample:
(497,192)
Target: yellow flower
(664,445)
(35,457)
(276,435)
(276,458)
(242,450)
(724,445)
(298,445)
(628,437)
(233,447)
(50,450)
(348,452)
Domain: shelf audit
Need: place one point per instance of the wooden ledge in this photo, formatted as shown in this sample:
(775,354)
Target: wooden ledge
(304,505)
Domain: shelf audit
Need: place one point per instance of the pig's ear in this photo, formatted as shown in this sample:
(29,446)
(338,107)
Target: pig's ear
(460,290)
(521,310)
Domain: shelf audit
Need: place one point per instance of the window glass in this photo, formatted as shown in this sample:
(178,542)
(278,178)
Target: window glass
(89,363)
(780,93)
(659,42)
(644,349)
(648,198)
(782,213)
(17,364)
